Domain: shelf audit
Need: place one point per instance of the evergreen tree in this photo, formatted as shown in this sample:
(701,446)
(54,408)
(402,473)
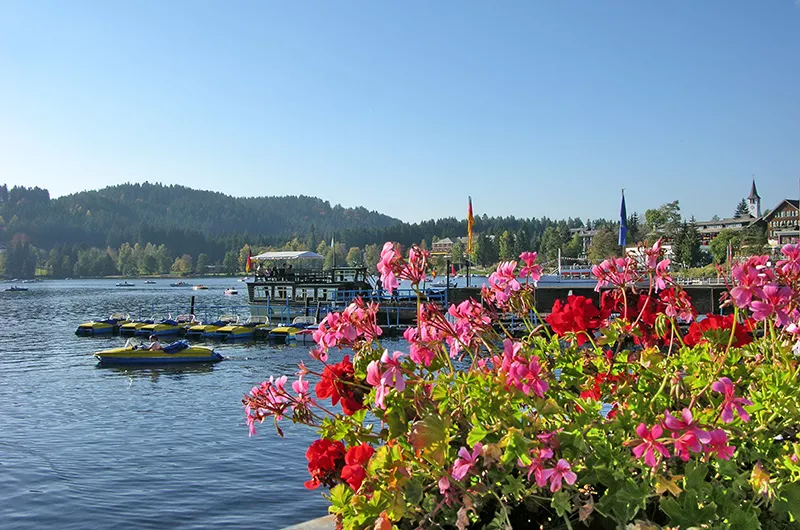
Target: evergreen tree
(506,246)
(686,246)
(741,210)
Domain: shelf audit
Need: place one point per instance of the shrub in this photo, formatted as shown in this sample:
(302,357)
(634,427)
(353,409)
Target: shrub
(634,414)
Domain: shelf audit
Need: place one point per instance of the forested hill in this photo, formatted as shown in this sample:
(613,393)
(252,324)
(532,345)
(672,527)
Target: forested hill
(157,213)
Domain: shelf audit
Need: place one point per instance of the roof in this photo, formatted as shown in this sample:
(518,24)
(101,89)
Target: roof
(753,192)
(791,202)
(285,255)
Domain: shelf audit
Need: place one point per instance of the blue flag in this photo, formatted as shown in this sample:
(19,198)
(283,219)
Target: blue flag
(623,223)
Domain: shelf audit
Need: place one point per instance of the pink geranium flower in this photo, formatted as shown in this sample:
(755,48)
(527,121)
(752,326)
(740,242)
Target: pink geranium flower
(531,268)
(718,445)
(383,380)
(773,301)
(466,461)
(650,444)
(790,267)
(725,386)
(686,423)
(555,475)
(653,254)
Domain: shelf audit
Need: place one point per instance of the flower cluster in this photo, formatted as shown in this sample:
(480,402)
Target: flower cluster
(392,266)
(623,409)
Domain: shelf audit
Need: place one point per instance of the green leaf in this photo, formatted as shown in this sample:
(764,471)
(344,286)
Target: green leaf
(413,492)
(341,495)
(687,512)
(561,503)
(789,502)
(695,477)
(477,434)
(625,502)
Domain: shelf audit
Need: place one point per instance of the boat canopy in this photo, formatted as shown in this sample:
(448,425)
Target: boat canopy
(287,255)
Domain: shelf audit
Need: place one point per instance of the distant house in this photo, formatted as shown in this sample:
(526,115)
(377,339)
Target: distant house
(444,246)
(586,236)
(782,223)
(710,229)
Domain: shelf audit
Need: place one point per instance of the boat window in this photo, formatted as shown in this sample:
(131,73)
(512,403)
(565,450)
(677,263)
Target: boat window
(305,293)
(259,292)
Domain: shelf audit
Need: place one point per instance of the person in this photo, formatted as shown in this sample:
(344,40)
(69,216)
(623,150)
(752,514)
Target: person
(379,288)
(132,344)
(154,344)
(289,273)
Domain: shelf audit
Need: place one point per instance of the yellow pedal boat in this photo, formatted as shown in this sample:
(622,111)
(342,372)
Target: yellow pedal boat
(177,352)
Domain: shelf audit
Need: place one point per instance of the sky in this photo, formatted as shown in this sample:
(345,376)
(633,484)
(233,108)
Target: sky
(533,108)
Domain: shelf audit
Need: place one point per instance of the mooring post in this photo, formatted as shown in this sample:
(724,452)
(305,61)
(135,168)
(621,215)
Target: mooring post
(191,309)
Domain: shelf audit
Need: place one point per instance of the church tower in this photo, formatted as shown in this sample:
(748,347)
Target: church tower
(754,202)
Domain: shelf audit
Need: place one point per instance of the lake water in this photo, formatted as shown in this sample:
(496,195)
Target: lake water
(83,446)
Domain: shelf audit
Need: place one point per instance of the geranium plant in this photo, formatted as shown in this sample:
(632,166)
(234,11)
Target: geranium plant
(630,413)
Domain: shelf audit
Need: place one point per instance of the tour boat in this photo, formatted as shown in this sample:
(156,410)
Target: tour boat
(102,327)
(176,352)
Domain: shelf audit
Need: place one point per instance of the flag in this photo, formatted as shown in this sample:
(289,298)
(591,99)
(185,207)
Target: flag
(470,222)
(249,264)
(623,223)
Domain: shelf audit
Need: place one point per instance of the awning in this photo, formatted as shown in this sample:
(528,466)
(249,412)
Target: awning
(287,255)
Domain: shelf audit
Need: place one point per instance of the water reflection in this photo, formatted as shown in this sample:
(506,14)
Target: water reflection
(175,372)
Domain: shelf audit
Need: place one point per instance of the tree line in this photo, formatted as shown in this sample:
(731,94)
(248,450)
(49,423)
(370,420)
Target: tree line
(148,229)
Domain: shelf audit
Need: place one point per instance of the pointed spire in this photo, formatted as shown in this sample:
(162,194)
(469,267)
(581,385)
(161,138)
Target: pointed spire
(753,192)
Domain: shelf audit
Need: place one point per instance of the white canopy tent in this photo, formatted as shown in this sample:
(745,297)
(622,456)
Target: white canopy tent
(287,255)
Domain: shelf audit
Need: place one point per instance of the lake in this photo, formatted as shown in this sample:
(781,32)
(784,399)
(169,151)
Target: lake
(83,446)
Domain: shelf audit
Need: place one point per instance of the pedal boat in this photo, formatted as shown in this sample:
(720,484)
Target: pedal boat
(107,326)
(166,327)
(130,327)
(289,332)
(177,352)
(199,330)
(255,325)
(231,291)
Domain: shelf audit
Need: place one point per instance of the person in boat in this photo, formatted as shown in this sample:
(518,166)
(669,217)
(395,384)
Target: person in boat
(289,273)
(274,271)
(283,271)
(154,344)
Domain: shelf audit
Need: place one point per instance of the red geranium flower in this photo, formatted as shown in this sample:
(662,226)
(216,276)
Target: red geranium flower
(578,314)
(337,383)
(716,330)
(356,462)
(324,458)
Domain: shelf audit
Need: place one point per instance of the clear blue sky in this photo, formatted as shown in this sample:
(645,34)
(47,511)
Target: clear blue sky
(535,108)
